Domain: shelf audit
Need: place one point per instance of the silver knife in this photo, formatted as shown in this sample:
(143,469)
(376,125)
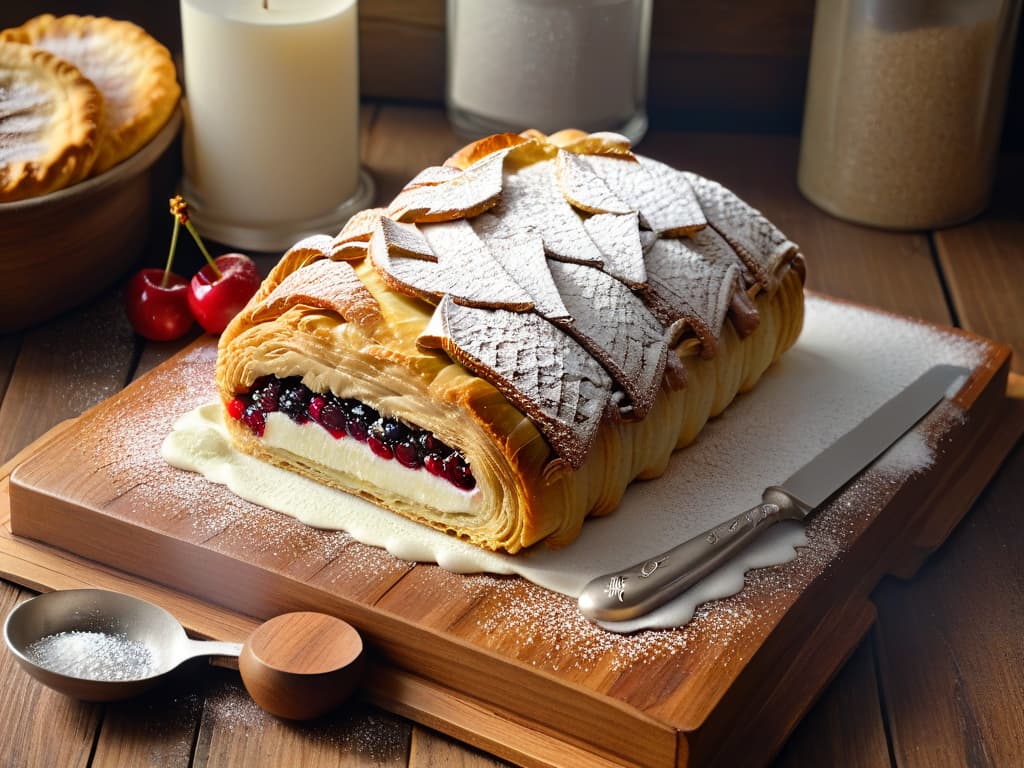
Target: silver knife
(643,587)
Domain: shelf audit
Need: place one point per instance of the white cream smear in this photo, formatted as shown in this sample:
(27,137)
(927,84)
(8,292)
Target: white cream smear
(847,362)
(312,442)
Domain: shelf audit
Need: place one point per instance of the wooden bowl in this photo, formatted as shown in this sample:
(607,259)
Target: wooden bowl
(61,249)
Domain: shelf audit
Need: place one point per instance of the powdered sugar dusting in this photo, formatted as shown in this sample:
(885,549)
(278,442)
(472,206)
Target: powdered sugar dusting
(847,362)
(371,736)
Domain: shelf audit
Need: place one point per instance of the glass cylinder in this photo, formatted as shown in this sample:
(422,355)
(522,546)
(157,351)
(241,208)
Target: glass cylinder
(271,145)
(548,64)
(904,108)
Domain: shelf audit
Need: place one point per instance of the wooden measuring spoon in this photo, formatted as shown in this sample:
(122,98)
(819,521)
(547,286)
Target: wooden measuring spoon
(97,645)
(301,665)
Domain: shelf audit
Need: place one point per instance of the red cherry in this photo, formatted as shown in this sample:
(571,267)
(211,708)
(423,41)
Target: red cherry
(380,448)
(407,455)
(215,301)
(434,464)
(236,408)
(158,312)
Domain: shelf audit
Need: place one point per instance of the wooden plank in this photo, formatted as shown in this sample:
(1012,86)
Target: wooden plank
(1008,427)
(156,729)
(989,299)
(42,728)
(85,357)
(485,726)
(949,642)
(431,750)
(774,708)
(386,40)
(234,731)
(846,727)
(9,346)
(402,141)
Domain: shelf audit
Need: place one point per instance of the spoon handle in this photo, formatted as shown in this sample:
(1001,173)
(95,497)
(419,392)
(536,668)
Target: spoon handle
(211,648)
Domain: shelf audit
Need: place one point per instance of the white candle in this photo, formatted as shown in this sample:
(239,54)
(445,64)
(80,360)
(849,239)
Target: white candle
(272,119)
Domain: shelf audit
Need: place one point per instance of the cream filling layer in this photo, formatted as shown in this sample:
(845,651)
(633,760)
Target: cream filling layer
(350,457)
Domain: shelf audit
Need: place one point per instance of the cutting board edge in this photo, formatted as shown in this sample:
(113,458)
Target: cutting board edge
(571,709)
(503,734)
(995,349)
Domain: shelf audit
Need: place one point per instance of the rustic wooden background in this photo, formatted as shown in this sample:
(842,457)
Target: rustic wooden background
(939,680)
(726,65)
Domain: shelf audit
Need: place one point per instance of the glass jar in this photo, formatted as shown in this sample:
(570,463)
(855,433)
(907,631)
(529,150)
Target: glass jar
(904,110)
(548,64)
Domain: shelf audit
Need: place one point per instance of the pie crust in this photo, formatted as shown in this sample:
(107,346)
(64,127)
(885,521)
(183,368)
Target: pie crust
(134,73)
(49,122)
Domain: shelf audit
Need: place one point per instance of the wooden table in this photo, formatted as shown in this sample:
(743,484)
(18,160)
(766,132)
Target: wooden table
(939,680)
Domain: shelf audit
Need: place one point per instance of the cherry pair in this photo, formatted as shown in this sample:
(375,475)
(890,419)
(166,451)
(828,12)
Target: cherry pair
(162,305)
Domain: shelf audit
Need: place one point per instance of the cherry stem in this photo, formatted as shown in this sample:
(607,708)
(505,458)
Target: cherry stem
(170,253)
(206,254)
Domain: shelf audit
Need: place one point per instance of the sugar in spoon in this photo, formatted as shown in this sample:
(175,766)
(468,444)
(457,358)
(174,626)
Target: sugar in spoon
(98,645)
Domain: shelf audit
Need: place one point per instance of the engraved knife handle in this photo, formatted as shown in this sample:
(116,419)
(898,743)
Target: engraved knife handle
(643,587)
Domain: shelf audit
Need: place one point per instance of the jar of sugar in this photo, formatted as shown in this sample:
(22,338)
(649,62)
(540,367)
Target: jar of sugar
(548,64)
(904,108)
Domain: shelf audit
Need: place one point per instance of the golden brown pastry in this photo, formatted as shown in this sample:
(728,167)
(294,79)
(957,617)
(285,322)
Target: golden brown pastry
(133,71)
(521,333)
(49,122)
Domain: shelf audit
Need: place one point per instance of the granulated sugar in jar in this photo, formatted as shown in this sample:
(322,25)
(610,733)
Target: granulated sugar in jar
(904,109)
(548,64)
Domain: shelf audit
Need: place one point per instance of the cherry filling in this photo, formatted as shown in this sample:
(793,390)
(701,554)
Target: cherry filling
(388,438)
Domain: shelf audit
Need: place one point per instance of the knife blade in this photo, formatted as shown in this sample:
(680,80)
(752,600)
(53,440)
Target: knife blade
(642,587)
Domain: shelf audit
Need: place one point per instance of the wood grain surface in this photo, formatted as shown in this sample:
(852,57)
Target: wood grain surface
(946,642)
(738,65)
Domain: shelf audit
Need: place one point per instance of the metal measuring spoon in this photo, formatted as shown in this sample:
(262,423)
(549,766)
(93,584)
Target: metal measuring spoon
(97,645)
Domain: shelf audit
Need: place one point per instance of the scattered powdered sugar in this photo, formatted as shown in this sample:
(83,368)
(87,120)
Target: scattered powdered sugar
(354,730)
(89,362)
(126,441)
(90,655)
(847,362)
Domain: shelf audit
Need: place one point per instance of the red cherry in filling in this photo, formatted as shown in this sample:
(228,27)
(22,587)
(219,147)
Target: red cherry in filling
(254,419)
(236,407)
(456,470)
(216,300)
(407,455)
(316,407)
(434,464)
(379,447)
(332,416)
(357,429)
(158,312)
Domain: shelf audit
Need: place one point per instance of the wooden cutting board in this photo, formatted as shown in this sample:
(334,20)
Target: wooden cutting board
(495,661)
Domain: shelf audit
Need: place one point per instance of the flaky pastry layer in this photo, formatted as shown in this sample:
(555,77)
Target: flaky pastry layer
(563,313)
(528,493)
